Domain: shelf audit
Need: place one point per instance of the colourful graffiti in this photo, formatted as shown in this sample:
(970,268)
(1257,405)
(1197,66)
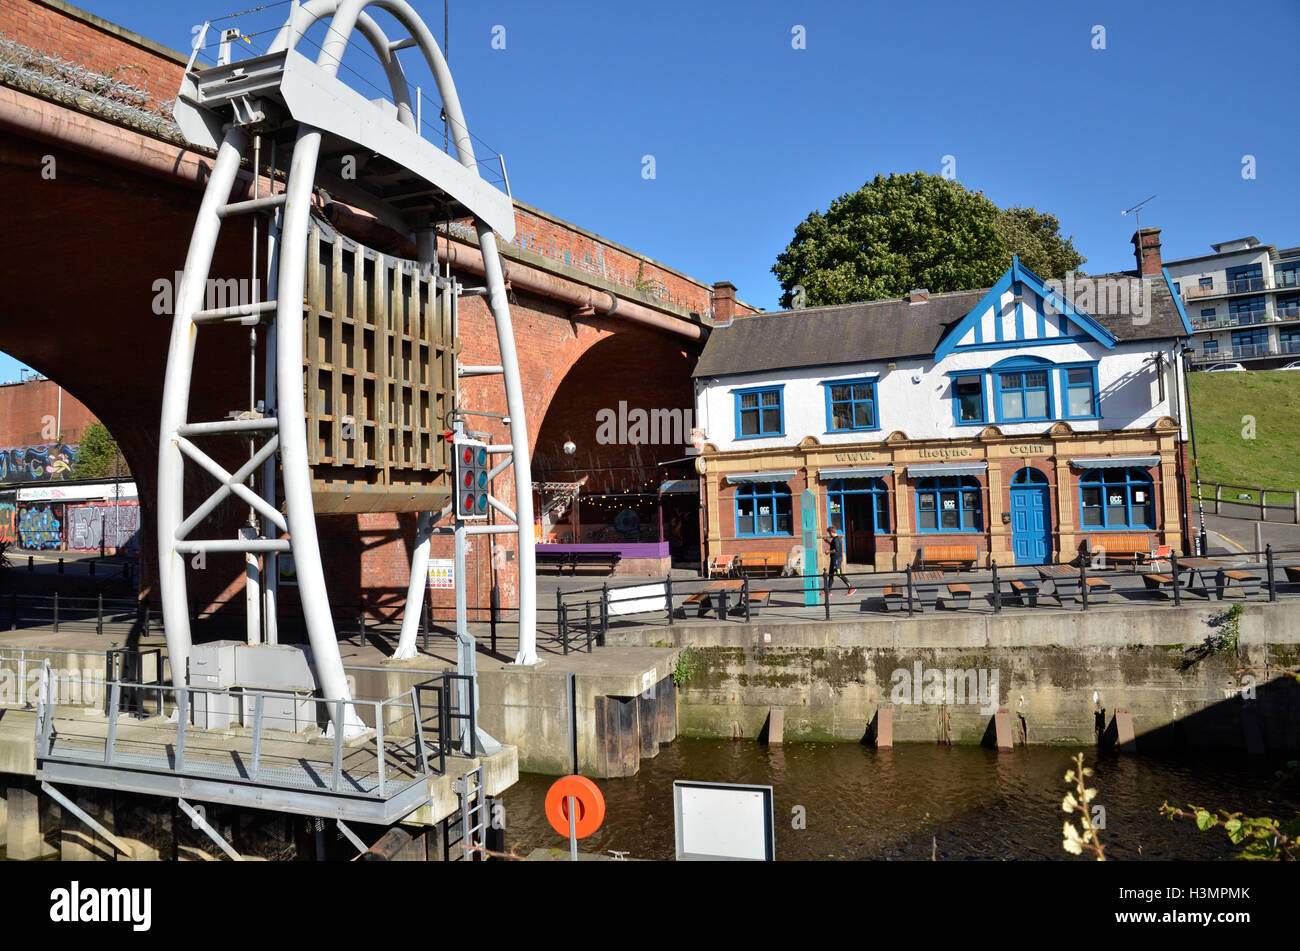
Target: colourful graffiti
(98,523)
(51,463)
(8,522)
(40,526)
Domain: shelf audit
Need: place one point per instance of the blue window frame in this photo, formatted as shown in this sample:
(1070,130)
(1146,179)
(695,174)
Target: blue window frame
(851,405)
(1080,395)
(1206,282)
(1210,346)
(1287,275)
(1207,313)
(837,490)
(1177,290)
(969,407)
(1255,337)
(1023,395)
(949,504)
(759,412)
(763,508)
(1247,277)
(1116,499)
(1289,336)
(1244,306)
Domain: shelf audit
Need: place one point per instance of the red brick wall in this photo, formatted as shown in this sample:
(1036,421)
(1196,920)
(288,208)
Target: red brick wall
(26,409)
(58,34)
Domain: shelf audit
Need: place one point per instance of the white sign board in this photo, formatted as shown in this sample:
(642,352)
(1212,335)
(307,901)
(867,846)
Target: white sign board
(638,599)
(78,493)
(442,573)
(719,821)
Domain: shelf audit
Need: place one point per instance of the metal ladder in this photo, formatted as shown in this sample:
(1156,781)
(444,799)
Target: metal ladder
(471,822)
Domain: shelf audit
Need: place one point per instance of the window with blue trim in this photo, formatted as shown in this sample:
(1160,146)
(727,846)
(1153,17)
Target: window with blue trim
(850,405)
(1287,275)
(1248,277)
(1079,391)
(1210,346)
(1246,308)
(1116,498)
(1206,282)
(948,504)
(968,399)
(763,508)
(1024,396)
(1207,313)
(759,413)
(835,501)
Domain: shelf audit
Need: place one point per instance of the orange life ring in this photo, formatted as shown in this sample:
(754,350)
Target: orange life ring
(590,802)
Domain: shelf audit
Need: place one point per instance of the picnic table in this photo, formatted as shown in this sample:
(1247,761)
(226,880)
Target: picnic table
(927,585)
(1224,576)
(721,589)
(1064,579)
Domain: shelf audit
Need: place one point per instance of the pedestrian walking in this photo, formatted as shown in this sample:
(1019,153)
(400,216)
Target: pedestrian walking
(835,545)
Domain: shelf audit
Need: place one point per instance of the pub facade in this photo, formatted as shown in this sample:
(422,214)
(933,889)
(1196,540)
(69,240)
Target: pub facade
(1008,418)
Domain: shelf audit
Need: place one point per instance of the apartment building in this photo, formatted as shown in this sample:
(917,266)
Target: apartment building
(1243,303)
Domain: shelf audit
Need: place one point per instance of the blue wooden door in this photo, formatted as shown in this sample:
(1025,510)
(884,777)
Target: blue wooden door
(1031,530)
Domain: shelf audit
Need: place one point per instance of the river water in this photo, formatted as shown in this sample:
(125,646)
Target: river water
(960,802)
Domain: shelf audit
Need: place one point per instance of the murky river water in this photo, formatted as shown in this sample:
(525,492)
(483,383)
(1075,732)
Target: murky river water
(962,802)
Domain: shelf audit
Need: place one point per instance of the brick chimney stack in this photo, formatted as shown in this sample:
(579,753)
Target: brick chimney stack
(724,302)
(1146,247)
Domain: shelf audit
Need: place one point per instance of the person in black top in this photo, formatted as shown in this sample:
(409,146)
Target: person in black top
(835,545)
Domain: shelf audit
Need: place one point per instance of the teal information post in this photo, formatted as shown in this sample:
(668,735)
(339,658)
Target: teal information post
(808,513)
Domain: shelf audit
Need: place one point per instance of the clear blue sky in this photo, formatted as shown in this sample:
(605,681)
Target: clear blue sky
(749,135)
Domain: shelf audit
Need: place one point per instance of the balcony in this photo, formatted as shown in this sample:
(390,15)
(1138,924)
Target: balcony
(1246,319)
(1246,352)
(1250,285)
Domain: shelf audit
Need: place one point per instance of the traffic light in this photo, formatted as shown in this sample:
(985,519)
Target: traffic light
(472,484)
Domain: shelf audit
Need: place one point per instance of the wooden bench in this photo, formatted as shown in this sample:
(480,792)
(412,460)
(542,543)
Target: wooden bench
(894,598)
(1157,583)
(755,561)
(1026,592)
(1098,591)
(1248,583)
(1131,548)
(955,556)
(958,596)
(573,559)
(700,599)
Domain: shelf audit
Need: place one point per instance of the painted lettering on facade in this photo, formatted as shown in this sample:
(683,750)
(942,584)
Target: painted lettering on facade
(1030,450)
(946,452)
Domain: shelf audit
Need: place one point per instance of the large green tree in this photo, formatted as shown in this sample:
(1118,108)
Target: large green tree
(98,456)
(900,232)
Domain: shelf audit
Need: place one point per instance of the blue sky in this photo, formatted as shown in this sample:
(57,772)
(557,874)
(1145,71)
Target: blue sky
(749,134)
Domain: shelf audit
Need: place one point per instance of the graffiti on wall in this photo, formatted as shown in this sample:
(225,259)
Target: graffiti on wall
(50,463)
(40,525)
(103,524)
(8,517)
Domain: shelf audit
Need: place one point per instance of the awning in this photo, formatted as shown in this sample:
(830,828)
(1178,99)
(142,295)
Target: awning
(947,469)
(679,487)
(858,472)
(1114,462)
(736,477)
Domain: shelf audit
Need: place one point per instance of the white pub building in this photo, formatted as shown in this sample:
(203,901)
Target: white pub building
(1024,419)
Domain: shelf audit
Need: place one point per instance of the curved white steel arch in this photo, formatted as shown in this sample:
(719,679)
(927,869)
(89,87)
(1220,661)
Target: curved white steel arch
(284,356)
(345,15)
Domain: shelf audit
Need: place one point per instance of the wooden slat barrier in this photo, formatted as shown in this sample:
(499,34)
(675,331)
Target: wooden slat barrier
(380,377)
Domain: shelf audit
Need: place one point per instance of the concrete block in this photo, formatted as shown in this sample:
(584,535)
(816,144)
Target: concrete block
(24,841)
(776,726)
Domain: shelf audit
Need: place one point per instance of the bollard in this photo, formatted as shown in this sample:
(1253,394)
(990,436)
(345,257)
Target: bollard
(1272,582)
(997,591)
(56,612)
(1173,570)
(99,614)
(563,624)
(723,605)
(668,597)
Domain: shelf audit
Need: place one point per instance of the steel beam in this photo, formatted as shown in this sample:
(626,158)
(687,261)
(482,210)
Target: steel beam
(200,822)
(85,817)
